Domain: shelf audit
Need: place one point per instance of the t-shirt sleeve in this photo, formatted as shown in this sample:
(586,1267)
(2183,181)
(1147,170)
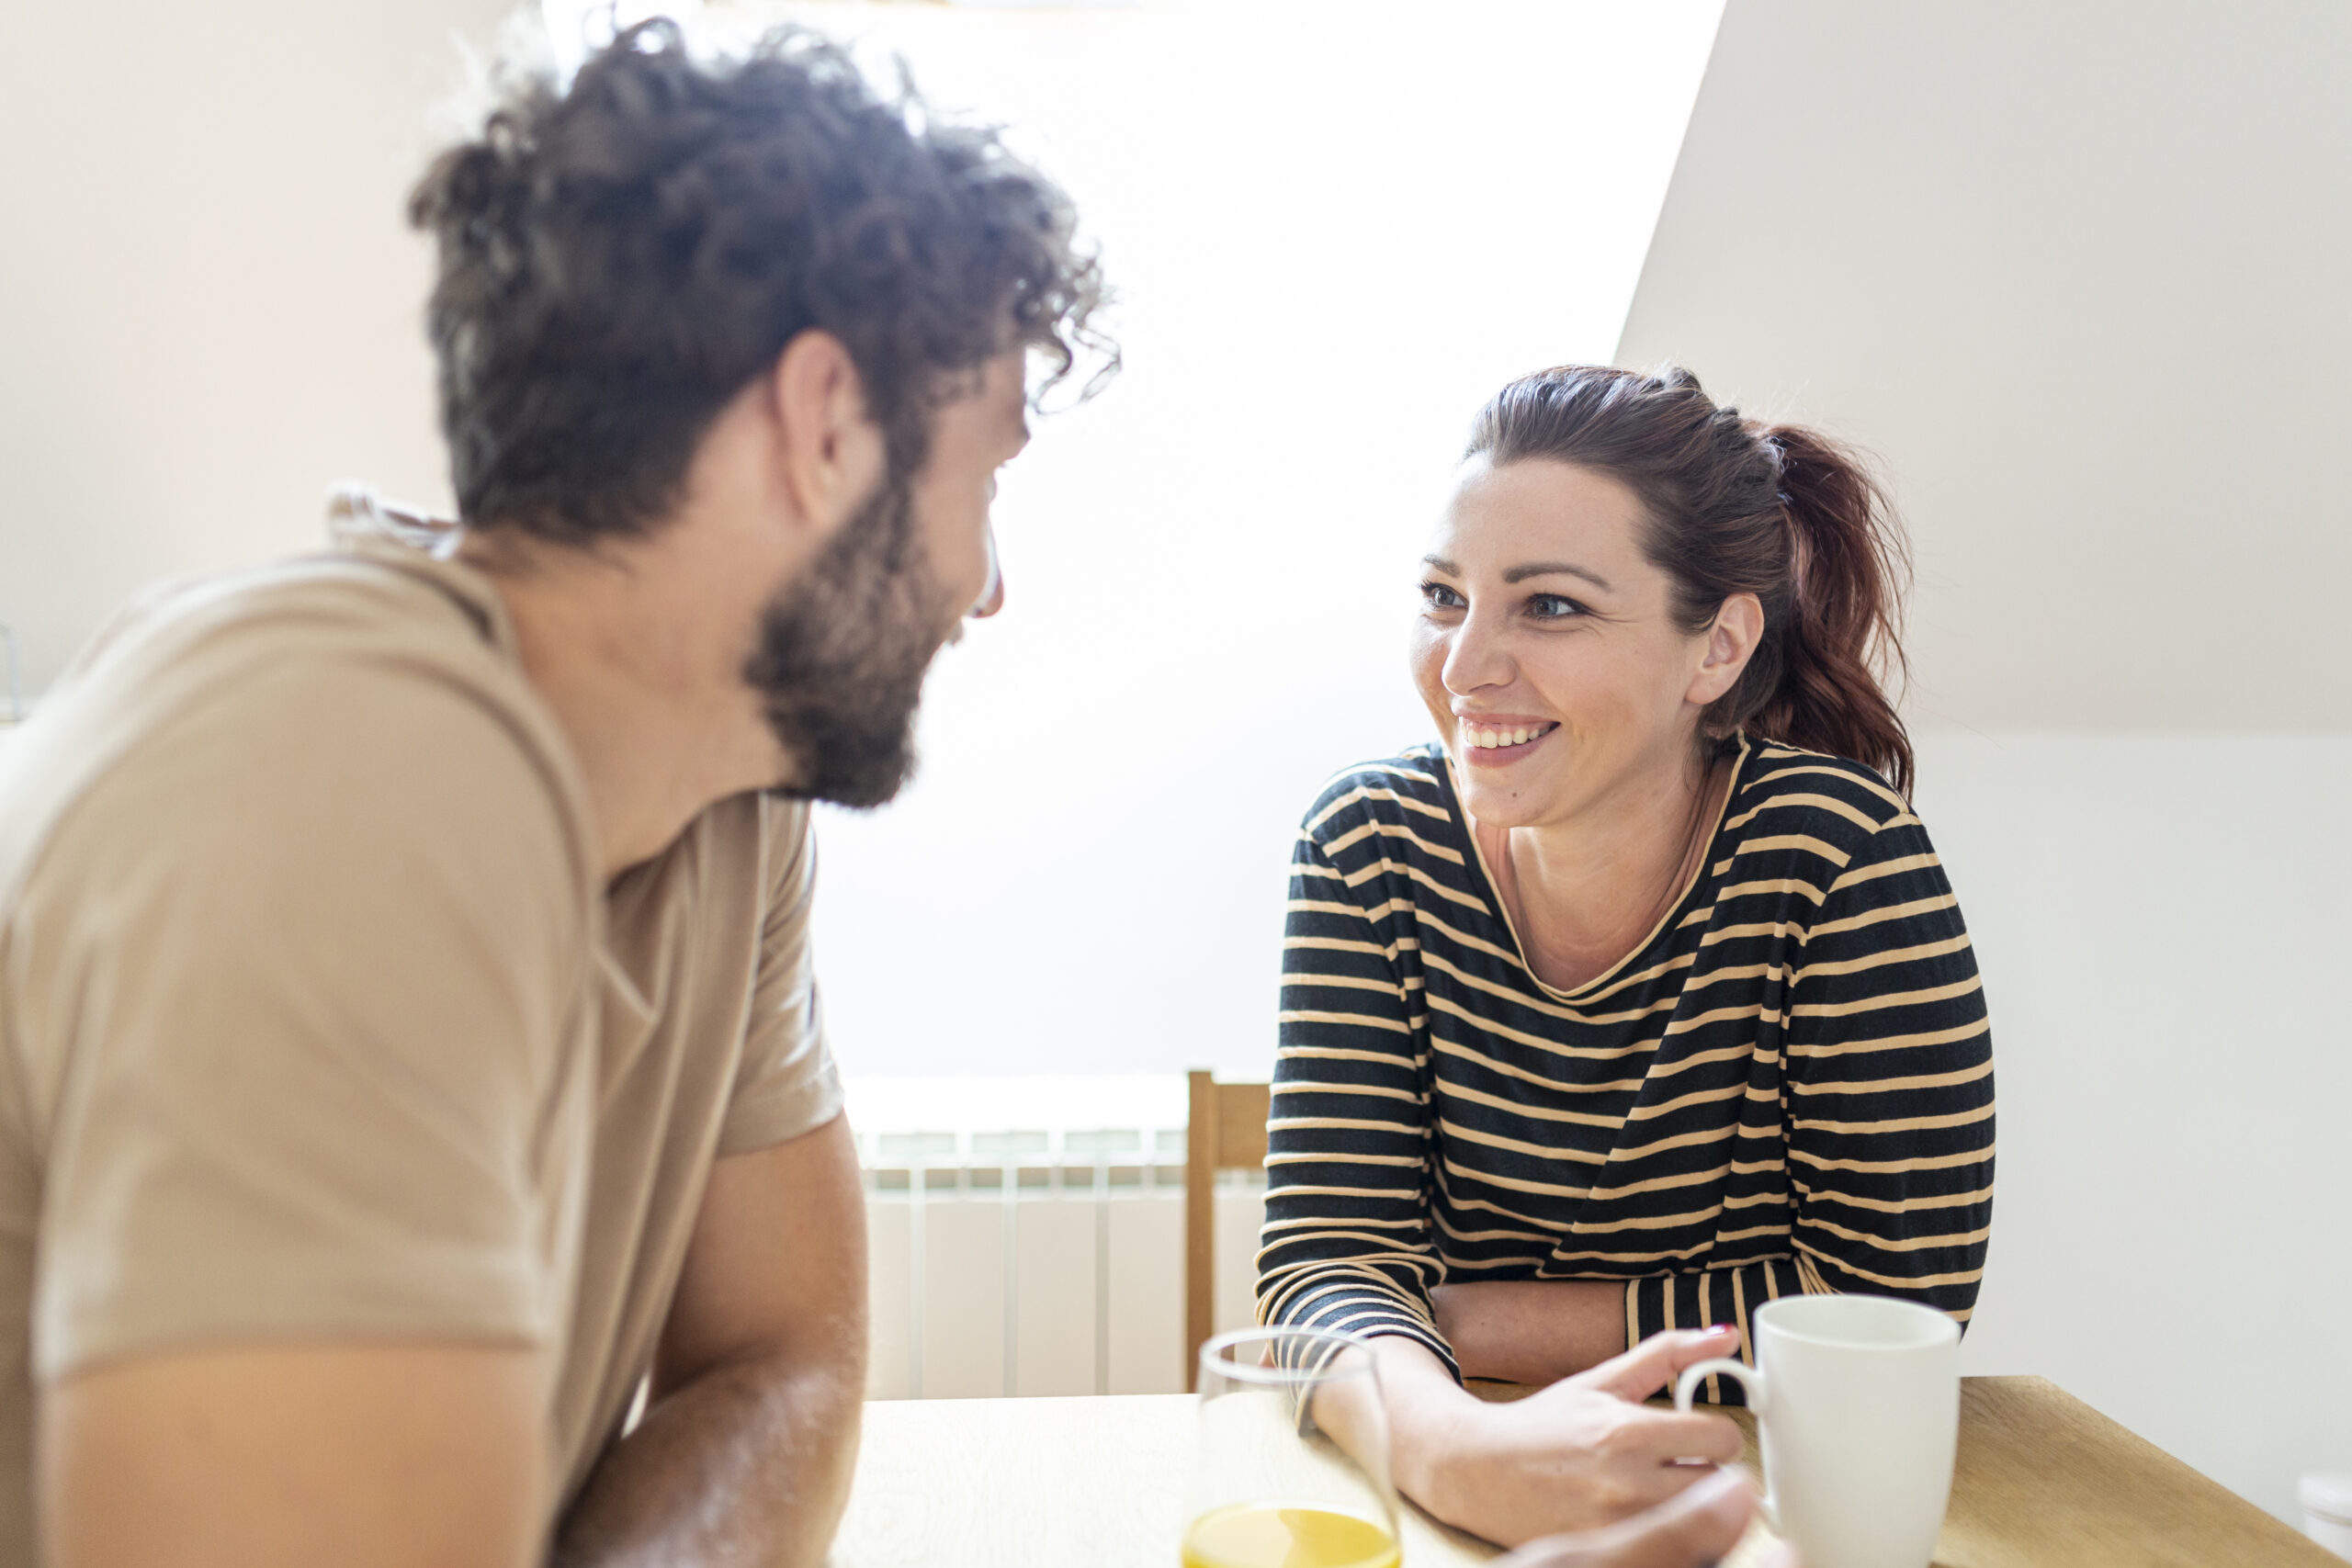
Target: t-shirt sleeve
(1348,1243)
(314,952)
(786,1084)
(1887,1106)
(1890,1106)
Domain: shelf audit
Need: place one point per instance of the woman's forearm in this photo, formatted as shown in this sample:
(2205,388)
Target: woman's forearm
(1531,1331)
(1422,1406)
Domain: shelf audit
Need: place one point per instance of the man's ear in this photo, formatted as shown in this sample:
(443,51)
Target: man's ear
(830,453)
(1730,644)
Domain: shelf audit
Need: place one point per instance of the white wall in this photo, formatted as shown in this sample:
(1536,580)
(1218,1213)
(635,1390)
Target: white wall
(2162,927)
(2076,275)
(210,301)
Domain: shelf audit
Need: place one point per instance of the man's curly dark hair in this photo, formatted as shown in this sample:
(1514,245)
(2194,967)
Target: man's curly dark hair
(618,259)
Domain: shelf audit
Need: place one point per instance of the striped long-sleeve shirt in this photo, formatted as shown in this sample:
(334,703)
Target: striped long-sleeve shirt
(1788,1087)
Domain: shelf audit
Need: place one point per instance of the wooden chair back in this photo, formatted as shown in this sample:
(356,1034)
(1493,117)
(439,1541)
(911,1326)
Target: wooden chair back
(1225,1130)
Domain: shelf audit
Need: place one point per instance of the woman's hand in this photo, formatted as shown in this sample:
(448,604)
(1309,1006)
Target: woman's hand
(1690,1531)
(1583,1452)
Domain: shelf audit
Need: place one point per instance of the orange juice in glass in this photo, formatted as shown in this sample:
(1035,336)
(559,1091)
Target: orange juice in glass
(1290,1468)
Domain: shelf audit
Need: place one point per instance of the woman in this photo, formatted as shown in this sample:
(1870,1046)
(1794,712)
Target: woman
(1642,999)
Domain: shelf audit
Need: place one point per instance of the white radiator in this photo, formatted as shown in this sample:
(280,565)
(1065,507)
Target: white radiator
(1036,1259)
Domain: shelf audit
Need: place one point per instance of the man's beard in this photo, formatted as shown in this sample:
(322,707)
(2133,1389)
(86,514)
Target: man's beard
(842,652)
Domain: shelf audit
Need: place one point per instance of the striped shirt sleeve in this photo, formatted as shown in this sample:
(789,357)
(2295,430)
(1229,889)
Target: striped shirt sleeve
(1886,1103)
(1347,1242)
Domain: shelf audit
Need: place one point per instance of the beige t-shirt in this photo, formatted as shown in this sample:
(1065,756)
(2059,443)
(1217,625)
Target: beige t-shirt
(316,1024)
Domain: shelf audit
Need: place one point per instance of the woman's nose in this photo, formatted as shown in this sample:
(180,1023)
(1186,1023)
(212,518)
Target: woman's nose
(1476,658)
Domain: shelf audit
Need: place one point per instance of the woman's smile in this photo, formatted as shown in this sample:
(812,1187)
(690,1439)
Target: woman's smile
(1496,740)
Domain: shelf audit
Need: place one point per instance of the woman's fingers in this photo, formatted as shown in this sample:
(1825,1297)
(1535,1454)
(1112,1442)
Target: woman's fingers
(1655,1362)
(1687,1531)
(1578,1453)
(1660,1436)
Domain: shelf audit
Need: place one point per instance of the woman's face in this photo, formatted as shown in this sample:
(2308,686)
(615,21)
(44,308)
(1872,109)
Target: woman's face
(1547,649)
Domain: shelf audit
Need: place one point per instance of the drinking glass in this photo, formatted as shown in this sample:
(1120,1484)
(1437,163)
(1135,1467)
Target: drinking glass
(1291,1465)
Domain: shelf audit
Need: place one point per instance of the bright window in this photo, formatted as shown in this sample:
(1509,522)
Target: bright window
(1334,229)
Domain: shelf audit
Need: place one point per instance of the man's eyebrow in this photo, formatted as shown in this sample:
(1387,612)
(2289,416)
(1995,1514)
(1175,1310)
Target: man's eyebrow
(1550,568)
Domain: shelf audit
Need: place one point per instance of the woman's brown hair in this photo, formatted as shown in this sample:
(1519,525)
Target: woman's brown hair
(1736,505)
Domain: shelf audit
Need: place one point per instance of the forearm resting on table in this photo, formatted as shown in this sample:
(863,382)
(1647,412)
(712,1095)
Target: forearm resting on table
(755,1456)
(1422,1407)
(746,1449)
(1531,1331)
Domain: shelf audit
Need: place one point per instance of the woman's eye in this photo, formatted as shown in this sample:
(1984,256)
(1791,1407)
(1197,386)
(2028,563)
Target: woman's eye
(1552,607)
(1440,597)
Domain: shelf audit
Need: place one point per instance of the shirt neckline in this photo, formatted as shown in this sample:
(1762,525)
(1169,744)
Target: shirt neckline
(1675,911)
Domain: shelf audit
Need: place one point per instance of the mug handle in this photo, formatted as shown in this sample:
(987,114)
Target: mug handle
(1747,1377)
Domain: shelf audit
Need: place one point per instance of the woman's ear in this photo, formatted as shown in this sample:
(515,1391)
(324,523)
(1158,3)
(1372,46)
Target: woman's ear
(1729,643)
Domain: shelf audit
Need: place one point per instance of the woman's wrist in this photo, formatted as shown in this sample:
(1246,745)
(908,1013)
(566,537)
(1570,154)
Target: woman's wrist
(1434,1482)
(1428,1425)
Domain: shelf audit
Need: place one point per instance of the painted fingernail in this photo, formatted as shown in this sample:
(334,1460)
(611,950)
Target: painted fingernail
(1723,1328)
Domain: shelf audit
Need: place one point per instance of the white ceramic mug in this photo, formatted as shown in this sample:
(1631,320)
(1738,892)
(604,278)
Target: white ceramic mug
(1857,1403)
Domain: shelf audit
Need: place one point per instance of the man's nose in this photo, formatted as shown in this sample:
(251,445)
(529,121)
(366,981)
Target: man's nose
(991,597)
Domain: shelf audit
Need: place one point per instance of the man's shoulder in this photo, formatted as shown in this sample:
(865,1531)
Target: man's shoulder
(383,599)
(358,627)
(275,692)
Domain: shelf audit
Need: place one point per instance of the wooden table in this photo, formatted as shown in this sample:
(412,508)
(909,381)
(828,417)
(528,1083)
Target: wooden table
(2042,1480)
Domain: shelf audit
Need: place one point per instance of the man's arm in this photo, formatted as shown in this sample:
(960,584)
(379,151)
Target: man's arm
(746,1449)
(364,1456)
(294,1299)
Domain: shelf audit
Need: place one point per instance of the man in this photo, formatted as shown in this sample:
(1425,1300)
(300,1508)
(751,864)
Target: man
(411,1057)
(407,1001)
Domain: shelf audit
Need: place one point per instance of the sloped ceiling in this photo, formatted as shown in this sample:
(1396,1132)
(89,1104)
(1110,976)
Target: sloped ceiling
(2078,275)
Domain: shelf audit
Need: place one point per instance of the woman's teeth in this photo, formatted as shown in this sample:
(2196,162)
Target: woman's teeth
(1488,740)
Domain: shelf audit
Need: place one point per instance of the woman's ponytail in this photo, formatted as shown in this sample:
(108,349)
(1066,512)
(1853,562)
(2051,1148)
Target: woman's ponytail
(1737,506)
(1848,565)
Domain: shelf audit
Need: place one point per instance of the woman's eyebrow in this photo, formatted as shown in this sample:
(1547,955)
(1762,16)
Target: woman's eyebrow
(1548,568)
